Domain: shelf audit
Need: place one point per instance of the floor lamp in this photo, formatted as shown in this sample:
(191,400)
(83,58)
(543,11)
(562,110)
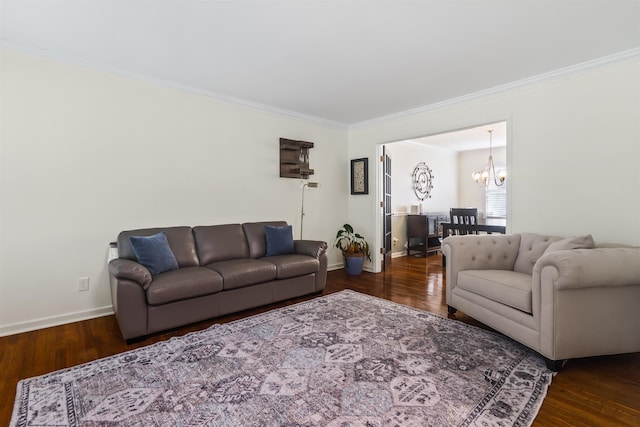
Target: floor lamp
(310,185)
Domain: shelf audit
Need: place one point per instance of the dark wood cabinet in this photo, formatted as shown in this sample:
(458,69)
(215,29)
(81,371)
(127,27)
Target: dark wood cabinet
(424,232)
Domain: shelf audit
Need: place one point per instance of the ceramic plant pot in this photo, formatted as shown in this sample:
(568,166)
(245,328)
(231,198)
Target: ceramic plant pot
(353,263)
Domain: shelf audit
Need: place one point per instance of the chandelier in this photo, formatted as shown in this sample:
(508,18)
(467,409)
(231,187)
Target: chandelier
(483,177)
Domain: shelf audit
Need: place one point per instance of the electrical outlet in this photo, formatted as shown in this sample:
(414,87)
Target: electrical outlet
(83,283)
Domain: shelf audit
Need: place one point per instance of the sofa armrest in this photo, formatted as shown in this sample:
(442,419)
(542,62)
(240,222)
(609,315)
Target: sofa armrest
(314,248)
(478,252)
(585,301)
(126,269)
(586,268)
(318,250)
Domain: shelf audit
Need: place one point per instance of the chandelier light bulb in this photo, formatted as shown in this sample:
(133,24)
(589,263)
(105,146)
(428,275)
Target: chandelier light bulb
(483,178)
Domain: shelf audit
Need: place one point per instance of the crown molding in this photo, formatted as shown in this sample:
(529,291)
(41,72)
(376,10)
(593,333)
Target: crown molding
(176,86)
(562,73)
(573,70)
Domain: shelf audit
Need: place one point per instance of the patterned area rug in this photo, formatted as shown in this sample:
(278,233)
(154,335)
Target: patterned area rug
(345,359)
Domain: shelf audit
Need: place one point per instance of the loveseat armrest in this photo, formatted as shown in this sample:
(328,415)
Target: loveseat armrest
(587,268)
(314,248)
(126,269)
(478,252)
(585,301)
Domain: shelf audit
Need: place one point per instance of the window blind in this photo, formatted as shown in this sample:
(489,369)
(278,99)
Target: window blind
(496,198)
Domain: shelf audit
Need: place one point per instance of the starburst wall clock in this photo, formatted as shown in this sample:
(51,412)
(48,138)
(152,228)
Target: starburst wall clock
(422,181)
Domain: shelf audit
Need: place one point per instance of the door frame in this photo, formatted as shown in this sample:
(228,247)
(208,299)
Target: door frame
(387,244)
(379,236)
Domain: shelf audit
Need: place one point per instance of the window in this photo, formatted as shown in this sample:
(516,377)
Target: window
(496,198)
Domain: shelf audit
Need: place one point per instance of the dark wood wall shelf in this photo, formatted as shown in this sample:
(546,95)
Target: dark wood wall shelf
(294,158)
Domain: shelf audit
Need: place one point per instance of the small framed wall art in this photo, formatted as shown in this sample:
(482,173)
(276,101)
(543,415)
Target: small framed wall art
(360,176)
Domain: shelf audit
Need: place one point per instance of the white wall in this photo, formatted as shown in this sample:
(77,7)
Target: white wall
(404,158)
(86,154)
(573,151)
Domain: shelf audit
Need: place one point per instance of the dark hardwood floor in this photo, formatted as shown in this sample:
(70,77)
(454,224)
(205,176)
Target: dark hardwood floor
(597,391)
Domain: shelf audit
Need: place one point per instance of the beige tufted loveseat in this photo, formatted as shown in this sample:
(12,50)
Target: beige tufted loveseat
(564,298)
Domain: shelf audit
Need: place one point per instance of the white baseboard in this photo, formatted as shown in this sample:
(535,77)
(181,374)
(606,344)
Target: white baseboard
(340,266)
(336,266)
(47,322)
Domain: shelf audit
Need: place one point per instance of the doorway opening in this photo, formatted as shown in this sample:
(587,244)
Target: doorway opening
(452,157)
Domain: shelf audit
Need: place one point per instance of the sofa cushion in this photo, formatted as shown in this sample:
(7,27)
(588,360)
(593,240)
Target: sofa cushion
(256,238)
(279,240)
(154,252)
(503,286)
(532,247)
(180,240)
(238,273)
(220,243)
(184,283)
(570,243)
(293,265)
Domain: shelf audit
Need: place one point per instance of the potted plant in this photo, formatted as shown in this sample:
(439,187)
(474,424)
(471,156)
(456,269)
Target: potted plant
(354,248)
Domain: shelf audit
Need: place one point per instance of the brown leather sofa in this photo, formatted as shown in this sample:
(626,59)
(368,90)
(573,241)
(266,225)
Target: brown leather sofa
(222,269)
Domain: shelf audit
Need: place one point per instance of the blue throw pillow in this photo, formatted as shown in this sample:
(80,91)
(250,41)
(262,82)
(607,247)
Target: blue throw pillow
(279,240)
(154,253)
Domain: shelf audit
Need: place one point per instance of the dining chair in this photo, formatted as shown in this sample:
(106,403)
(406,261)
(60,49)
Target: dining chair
(464,216)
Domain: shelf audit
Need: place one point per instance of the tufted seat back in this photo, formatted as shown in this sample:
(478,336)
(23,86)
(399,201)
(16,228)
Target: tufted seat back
(532,247)
(487,252)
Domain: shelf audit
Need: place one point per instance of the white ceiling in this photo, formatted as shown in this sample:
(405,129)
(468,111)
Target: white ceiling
(339,61)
